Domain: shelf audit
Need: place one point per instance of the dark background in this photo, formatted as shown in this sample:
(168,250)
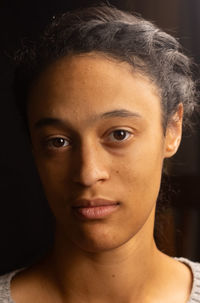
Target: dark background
(25,223)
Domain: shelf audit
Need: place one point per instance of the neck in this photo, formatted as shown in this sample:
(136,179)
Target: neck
(116,275)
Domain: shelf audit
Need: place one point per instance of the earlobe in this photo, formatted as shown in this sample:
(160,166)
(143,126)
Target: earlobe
(174,133)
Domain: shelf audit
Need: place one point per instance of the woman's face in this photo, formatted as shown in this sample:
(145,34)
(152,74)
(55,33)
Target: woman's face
(98,144)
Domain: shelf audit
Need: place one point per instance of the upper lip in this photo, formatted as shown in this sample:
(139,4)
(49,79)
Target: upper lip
(93,202)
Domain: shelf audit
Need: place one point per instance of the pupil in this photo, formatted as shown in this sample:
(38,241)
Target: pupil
(59,142)
(119,134)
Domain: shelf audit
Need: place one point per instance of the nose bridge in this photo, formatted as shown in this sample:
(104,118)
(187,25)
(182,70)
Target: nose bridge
(91,165)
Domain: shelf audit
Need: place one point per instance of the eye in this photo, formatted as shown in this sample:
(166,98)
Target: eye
(119,135)
(57,142)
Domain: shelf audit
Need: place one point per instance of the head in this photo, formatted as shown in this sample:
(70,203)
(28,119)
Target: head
(103,94)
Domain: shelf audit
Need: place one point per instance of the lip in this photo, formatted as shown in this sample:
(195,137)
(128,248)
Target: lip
(94,209)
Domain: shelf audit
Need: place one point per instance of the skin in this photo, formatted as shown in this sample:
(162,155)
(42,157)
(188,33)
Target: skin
(87,100)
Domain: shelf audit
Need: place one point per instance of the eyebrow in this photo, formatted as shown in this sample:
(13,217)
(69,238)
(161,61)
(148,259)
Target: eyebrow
(121,113)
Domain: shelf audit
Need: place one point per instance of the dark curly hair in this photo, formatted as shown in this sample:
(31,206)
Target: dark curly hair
(120,35)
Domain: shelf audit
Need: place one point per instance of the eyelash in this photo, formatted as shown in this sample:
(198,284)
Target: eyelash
(50,143)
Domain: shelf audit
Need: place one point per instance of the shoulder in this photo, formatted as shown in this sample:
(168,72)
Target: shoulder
(5,281)
(195,269)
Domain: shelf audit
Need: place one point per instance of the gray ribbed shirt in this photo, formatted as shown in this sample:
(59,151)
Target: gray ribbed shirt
(5,296)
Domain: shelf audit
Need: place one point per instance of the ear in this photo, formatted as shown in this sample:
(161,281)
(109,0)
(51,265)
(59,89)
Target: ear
(174,132)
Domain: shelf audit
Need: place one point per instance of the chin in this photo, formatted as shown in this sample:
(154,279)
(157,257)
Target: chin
(99,240)
(92,246)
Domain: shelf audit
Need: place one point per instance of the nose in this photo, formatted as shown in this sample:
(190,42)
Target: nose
(90,166)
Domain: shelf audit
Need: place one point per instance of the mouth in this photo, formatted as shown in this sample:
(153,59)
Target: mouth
(94,209)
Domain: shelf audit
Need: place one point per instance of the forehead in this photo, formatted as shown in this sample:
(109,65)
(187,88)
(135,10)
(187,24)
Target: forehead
(92,83)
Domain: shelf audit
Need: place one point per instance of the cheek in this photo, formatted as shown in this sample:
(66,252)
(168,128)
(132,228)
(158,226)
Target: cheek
(56,187)
(55,176)
(140,174)
(138,189)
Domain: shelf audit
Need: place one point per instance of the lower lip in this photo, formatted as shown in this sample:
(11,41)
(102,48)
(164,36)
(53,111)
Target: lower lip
(95,212)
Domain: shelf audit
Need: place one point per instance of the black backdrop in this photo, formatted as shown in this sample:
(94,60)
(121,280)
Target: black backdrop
(25,224)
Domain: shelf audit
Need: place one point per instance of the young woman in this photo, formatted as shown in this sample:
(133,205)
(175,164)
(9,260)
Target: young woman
(103,95)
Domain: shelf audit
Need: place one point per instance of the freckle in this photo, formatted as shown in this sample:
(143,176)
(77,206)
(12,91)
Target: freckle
(113,276)
(117,171)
